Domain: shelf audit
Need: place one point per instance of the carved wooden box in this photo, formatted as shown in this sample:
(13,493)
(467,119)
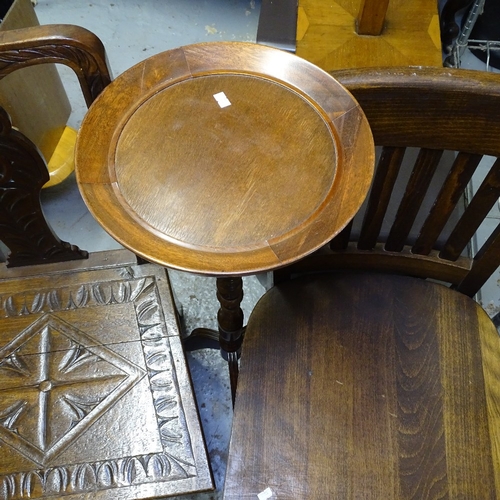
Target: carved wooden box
(95,397)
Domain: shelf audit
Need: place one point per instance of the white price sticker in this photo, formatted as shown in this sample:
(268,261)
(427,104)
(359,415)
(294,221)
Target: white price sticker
(222,101)
(266,494)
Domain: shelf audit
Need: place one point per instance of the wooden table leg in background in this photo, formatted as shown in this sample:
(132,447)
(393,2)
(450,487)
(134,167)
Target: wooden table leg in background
(229,336)
(230,319)
(371,17)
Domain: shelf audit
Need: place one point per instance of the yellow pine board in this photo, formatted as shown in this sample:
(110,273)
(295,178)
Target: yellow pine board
(326,35)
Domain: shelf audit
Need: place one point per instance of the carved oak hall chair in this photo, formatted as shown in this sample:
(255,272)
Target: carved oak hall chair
(381,378)
(95,398)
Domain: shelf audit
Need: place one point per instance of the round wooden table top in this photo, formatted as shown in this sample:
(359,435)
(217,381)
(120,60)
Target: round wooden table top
(224,158)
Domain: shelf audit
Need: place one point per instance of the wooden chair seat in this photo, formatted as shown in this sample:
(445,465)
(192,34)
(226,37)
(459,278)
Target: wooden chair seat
(367,386)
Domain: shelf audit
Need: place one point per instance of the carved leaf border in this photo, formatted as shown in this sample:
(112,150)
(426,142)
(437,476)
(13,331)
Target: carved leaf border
(89,477)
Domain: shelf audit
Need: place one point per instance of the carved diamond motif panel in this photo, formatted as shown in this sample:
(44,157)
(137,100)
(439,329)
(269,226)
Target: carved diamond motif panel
(94,392)
(46,401)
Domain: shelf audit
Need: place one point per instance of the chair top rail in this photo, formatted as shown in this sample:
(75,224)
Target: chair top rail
(445,100)
(414,222)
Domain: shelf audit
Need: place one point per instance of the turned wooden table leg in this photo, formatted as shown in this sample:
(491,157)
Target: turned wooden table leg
(230,319)
(230,328)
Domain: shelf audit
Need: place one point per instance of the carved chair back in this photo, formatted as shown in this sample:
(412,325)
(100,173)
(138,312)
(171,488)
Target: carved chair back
(421,226)
(23,171)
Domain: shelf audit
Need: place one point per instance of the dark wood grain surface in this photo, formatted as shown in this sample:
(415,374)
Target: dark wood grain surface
(366,386)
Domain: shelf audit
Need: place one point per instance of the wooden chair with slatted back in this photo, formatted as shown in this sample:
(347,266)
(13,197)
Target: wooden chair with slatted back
(95,398)
(368,371)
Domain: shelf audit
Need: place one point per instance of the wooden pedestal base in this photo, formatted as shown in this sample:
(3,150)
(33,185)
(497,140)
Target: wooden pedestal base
(326,35)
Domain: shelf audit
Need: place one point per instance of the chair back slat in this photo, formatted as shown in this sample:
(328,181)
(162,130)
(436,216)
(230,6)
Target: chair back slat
(453,189)
(479,207)
(383,184)
(485,263)
(416,220)
(420,179)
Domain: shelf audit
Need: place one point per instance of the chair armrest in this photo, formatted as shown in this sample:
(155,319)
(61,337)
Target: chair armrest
(70,45)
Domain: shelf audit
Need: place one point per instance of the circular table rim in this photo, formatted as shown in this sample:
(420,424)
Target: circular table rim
(230,261)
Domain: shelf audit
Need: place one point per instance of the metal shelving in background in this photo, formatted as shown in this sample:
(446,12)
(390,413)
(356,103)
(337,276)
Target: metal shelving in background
(464,40)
